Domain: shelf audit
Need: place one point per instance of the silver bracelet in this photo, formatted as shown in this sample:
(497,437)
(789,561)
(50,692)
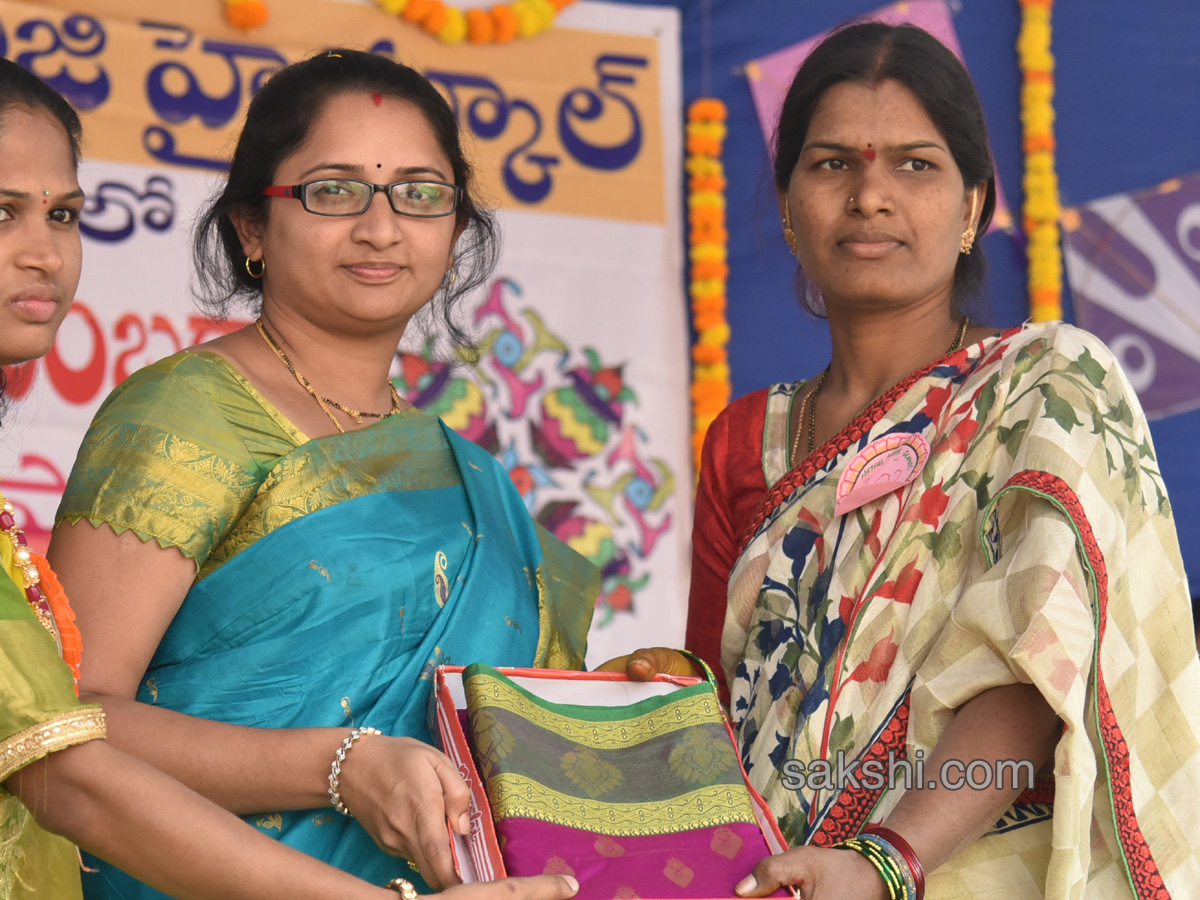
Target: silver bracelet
(335,771)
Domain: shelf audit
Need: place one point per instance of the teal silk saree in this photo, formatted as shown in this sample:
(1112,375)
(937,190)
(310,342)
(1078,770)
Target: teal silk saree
(334,574)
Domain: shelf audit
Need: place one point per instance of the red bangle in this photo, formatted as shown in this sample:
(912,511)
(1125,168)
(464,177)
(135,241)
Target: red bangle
(905,849)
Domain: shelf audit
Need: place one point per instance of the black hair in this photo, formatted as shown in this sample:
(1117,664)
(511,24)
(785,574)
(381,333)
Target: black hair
(20,87)
(871,52)
(277,122)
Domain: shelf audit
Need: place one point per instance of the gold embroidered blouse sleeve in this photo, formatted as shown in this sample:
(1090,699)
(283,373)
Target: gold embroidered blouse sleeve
(39,712)
(176,454)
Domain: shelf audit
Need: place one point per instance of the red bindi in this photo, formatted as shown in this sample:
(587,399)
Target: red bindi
(377,97)
(869,154)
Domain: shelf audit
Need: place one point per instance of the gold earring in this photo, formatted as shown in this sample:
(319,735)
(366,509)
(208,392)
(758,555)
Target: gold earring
(262,267)
(453,273)
(968,236)
(788,234)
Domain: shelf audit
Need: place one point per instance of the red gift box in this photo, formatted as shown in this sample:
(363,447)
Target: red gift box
(477,856)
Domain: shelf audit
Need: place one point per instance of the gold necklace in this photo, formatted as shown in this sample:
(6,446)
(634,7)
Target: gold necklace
(23,558)
(325,402)
(808,406)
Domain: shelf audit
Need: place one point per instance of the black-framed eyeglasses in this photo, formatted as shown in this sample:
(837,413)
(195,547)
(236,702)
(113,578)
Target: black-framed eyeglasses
(347,197)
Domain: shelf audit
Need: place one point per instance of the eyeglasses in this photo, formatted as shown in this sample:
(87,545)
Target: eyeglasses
(345,197)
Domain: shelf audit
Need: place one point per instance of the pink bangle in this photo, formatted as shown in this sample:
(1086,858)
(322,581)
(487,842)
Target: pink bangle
(905,849)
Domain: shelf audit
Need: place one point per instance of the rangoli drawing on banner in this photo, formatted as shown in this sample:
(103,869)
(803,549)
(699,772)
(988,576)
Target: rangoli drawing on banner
(561,422)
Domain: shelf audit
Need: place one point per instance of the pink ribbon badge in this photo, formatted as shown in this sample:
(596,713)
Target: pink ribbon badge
(883,466)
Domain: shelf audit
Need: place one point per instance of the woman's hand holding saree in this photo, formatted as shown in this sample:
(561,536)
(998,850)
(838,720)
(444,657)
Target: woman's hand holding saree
(1012,722)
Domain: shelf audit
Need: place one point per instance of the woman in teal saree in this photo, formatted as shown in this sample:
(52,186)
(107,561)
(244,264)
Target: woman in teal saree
(261,569)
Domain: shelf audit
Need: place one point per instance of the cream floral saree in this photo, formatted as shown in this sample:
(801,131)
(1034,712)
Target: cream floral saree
(1035,544)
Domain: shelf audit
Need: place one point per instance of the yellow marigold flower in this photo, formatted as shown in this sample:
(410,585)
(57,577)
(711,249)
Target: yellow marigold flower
(454,29)
(718,335)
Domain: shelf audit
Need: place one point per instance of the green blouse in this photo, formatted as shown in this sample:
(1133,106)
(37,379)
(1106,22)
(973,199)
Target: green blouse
(40,714)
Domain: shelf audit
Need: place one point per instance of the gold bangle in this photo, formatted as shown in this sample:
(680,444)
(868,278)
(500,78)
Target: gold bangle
(403,887)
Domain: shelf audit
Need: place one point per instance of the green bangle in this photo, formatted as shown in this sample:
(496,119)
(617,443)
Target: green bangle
(879,859)
(898,860)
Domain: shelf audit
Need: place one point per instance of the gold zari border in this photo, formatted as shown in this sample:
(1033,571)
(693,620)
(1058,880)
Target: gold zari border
(57,733)
(618,734)
(718,804)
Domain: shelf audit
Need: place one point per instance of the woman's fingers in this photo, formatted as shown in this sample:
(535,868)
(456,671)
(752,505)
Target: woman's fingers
(456,793)
(650,661)
(645,664)
(445,797)
(818,873)
(431,849)
(616,664)
(792,867)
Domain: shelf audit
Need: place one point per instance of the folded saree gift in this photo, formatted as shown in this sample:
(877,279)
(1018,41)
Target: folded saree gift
(635,799)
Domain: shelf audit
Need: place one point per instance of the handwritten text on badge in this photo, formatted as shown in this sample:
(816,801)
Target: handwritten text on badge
(881,467)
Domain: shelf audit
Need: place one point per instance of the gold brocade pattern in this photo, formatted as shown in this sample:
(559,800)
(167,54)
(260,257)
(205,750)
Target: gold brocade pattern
(700,754)
(616,735)
(517,795)
(567,587)
(324,473)
(46,737)
(164,487)
(591,772)
(493,741)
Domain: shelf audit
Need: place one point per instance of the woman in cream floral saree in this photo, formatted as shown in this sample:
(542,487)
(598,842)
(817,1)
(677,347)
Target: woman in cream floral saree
(953,545)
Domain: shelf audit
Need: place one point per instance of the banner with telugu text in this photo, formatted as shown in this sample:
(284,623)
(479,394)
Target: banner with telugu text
(581,391)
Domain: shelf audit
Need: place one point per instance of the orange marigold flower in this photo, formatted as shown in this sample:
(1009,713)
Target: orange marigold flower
(435,17)
(709,234)
(1037,142)
(246,14)
(701,145)
(709,269)
(709,354)
(706,216)
(416,10)
(1045,296)
(709,305)
(505,22)
(714,183)
(479,26)
(708,109)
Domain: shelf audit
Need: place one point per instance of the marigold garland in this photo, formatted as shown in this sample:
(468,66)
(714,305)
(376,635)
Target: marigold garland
(64,616)
(708,254)
(498,25)
(450,25)
(1042,210)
